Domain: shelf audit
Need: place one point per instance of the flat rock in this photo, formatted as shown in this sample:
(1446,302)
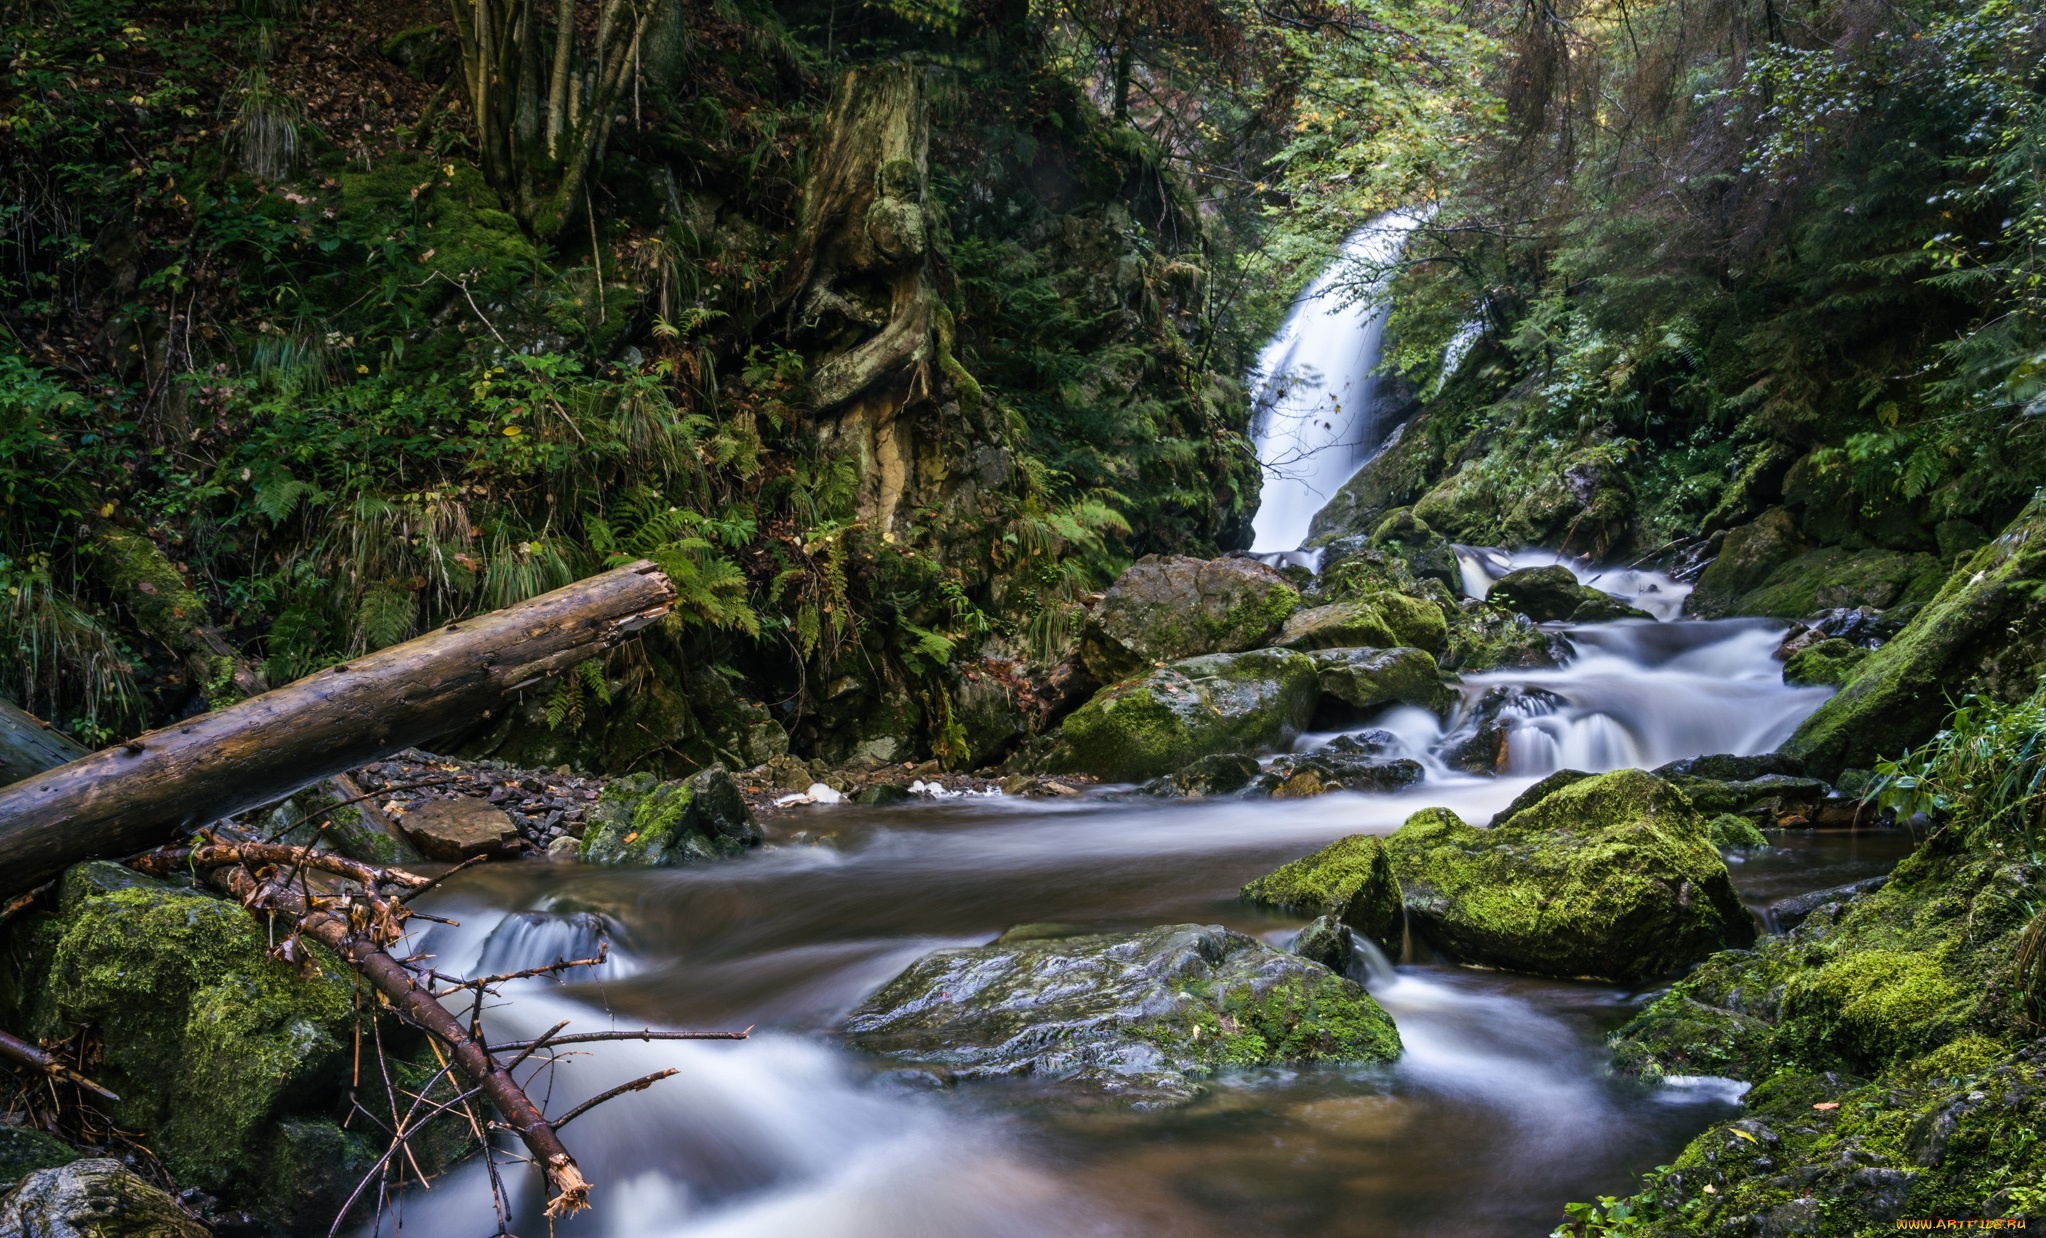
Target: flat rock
(94,1198)
(1137,1017)
(457,829)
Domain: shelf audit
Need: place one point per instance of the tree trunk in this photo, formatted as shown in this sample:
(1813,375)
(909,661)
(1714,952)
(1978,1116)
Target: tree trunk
(165,782)
(28,745)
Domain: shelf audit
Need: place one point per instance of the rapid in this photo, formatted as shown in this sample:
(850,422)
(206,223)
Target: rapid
(1499,1112)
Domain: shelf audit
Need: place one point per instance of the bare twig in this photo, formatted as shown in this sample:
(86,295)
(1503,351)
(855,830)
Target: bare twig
(456,984)
(591,1038)
(17,1050)
(471,862)
(640,1084)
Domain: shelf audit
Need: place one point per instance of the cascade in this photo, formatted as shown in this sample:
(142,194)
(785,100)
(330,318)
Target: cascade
(1316,418)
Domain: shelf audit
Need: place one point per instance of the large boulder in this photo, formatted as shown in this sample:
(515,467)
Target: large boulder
(211,1043)
(94,1198)
(1984,632)
(1369,678)
(1168,607)
(1174,715)
(1378,620)
(1141,1017)
(1746,558)
(1428,554)
(1611,878)
(641,820)
(1350,880)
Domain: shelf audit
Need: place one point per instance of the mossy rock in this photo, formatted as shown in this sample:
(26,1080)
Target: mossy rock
(23,1151)
(641,820)
(1543,594)
(1169,607)
(1368,678)
(1428,554)
(1770,800)
(1827,664)
(1350,879)
(1833,577)
(1612,877)
(208,1040)
(1985,631)
(1735,833)
(1165,720)
(98,1197)
(1137,1017)
(1746,558)
(1221,774)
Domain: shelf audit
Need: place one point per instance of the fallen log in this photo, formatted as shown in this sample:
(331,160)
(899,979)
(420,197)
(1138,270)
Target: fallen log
(171,781)
(28,745)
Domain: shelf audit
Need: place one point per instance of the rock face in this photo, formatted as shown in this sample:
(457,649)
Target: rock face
(1985,631)
(454,830)
(1351,879)
(1766,568)
(96,1198)
(1168,607)
(1824,664)
(1368,678)
(1140,1017)
(639,820)
(1382,620)
(1612,877)
(1159,722)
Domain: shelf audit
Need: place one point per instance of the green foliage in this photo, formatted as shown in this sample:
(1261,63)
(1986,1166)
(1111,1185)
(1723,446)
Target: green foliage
(1986,769)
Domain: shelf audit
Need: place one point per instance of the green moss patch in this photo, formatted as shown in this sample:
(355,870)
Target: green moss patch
(1351,879)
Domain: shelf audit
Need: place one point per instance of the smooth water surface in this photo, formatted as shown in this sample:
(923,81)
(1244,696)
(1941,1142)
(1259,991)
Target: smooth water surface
(1498,1113)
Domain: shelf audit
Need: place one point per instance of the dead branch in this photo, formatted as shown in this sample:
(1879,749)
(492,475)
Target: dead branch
(456,984)
(26,1054)
(640,1084)
(590,1038)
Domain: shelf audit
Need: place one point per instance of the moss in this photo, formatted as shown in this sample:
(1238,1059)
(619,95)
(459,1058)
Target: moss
(471,234)
(641,820)
(1827,664)
(1835,577)
(1612,877)
(1746,558)
(1872,1006)
(169,976)
(1984,631)
(1730,832)
(1337,625)
(1152,725)
(1167,607)
(1367,678)
(1351,879)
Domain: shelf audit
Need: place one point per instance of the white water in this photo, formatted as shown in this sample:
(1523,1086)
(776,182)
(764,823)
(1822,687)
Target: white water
(1316,417)
(1497,1113)
(1653,592)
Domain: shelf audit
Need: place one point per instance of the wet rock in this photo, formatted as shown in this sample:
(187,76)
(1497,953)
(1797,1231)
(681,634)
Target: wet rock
(1786,914)
(1368,678)
(1221,774)
(640,820)
(1167,719)
(1543,594)
(1771,800)
(1549,594)
(23,1151)
(1169,607)
(1478,745)
(1351,880)
(1724,767)
(1858,626)
(1319,773)
(94,1198)
(457,829)
(1612,877)
(881,794)
(1746,558)
(1380,620)
(565,850)
(1137,1017)
(1536,794)
(1327,941)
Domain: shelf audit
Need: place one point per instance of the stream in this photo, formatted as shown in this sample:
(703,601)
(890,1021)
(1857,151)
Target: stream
(1498,1113)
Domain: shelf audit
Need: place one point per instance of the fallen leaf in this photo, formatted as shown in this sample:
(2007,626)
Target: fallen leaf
(1827,1104)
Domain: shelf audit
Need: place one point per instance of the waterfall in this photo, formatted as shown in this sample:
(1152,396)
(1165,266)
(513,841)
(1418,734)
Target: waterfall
(1316,418)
